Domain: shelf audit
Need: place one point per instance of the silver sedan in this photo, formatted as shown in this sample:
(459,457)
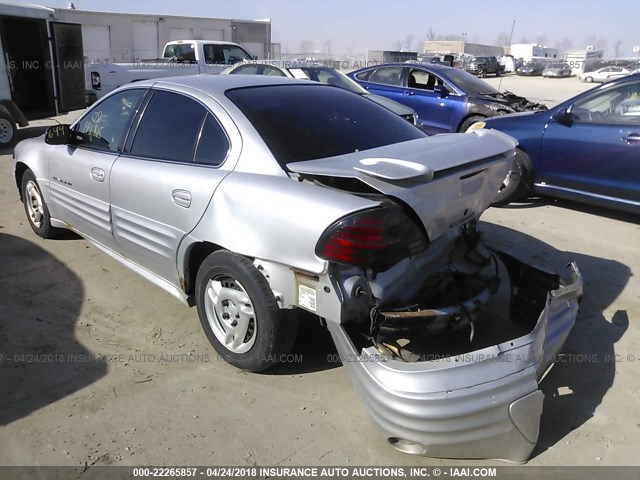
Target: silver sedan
(256,197)
(557,70)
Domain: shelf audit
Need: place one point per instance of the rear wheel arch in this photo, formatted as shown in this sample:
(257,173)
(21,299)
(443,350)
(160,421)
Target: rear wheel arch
(194,256)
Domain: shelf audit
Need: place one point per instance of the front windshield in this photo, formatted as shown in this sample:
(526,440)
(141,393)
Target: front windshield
(468,83)
(329,76)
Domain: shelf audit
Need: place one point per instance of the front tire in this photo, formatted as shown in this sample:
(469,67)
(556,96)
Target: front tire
(516,185)
(36,208)
(589,79)
(470,121)
(240,314)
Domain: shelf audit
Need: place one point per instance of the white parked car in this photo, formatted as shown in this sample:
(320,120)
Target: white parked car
(603,74)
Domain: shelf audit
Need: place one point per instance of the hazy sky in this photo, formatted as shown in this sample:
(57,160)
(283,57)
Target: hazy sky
(360,25)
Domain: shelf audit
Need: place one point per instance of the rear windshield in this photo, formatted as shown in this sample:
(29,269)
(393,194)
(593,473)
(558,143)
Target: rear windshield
(305,122)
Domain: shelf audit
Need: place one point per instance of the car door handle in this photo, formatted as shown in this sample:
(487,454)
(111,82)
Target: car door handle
(633,138)
(97,174)
(181,198)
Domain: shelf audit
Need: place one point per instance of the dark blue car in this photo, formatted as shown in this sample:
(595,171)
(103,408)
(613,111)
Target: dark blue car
(585,149)
(446,99)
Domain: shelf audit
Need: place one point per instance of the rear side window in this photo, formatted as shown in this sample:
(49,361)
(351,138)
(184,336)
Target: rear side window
(169,128)
(213,144)
(304,122)
(387,76)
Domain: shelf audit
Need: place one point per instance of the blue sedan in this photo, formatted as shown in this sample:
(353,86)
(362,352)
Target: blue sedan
(586,148)
(446,99)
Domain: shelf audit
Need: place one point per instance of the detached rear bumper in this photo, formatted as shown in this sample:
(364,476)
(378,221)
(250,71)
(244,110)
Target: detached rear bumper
(483,404)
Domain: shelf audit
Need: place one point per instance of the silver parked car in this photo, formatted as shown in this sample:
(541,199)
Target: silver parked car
(317,72)
(557,70)
(227,194)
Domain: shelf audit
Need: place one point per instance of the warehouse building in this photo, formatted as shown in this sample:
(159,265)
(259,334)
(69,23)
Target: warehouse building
(126,37)
(444,47)
(389,56)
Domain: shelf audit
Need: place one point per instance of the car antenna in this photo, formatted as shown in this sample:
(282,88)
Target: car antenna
(513,25)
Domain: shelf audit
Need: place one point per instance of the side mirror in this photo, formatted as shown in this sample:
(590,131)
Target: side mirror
(58,135)
(564,116)
(441,90)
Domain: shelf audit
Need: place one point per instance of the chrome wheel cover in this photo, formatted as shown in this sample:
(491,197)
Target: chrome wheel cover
(230,313)
(506,181)
(34,203)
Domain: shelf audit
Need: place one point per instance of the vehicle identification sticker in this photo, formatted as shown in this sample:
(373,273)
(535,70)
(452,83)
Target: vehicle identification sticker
(307,297)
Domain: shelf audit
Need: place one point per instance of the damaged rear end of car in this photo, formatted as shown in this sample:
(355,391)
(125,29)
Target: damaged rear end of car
(444,338)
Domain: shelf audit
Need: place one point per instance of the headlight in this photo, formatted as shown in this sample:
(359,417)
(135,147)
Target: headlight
(475,126)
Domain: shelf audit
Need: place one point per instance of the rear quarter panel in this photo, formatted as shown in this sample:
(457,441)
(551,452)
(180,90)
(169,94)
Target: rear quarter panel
(273,218)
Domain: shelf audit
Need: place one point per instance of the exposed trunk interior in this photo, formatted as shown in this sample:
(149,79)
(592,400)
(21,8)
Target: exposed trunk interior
(450,316)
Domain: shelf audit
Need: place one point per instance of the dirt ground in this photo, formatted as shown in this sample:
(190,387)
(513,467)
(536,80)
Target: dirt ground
(97,365)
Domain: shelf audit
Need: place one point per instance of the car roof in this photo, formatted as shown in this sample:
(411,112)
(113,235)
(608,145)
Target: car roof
(215,42)
(286,63)
(433,66)
(631,77)
(218,84)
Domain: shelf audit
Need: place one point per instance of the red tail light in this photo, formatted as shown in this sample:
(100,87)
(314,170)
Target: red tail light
(377,238)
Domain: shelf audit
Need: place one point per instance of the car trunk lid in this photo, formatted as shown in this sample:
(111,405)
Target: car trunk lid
(446,180)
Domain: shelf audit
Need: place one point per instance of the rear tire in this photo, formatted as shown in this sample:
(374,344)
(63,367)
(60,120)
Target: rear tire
(517,183)
(36,208)
(8,131)
(239,313)
(589,79)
